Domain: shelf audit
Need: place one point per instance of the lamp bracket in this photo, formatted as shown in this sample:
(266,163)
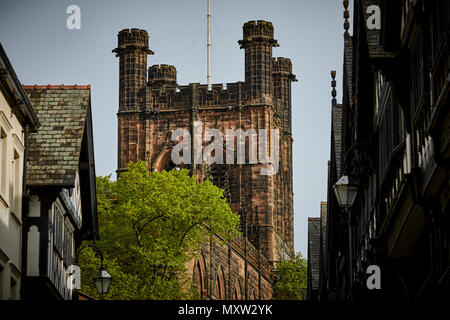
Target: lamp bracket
(358,162)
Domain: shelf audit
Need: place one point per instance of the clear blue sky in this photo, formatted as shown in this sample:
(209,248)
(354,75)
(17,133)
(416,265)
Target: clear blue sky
(43,51)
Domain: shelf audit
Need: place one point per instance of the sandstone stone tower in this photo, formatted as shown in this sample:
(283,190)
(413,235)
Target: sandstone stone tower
(152,105)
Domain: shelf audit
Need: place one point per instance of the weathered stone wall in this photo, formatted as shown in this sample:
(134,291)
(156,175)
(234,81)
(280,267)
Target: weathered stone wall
(235,271)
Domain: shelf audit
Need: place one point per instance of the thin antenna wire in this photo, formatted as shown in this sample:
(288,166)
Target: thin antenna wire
(208,76)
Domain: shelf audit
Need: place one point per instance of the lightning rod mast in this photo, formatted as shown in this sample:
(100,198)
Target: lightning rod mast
(208,76)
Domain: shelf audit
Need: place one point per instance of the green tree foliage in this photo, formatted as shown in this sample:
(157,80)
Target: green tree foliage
(151,225)
(291,277)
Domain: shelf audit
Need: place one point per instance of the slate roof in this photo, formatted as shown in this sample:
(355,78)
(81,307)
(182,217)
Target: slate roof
(323,224)
(54,151)
(313,253)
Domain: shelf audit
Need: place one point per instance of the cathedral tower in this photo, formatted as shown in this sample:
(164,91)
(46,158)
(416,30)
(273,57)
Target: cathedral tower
(152,105)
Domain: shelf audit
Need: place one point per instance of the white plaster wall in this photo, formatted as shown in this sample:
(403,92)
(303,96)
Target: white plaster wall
(10,194)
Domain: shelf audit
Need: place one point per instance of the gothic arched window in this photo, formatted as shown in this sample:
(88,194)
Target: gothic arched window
(199,278)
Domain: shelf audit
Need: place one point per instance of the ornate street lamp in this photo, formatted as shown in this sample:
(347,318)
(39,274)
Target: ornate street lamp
(357,166)
(102,281)
(345,191)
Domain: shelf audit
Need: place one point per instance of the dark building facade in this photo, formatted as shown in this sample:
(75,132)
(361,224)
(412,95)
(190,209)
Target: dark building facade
(313,258)
(60,204)
(391,136)
(152,105)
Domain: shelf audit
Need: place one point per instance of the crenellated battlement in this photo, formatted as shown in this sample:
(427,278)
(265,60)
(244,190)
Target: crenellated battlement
(132,39)
(162,75)
(259,28)
(257,31)
(218,96)
(283,67)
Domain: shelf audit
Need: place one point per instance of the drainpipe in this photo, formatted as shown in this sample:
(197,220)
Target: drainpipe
(25,212)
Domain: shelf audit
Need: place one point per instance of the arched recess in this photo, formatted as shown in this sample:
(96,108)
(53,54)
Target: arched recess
(215,171)
(222,273)
(219,287)
(237,295)
(164,161)
(200,277)
(220,175)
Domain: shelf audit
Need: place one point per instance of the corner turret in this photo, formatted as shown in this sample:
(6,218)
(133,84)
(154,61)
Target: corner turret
(162,76)
(258,42)
(132,50)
